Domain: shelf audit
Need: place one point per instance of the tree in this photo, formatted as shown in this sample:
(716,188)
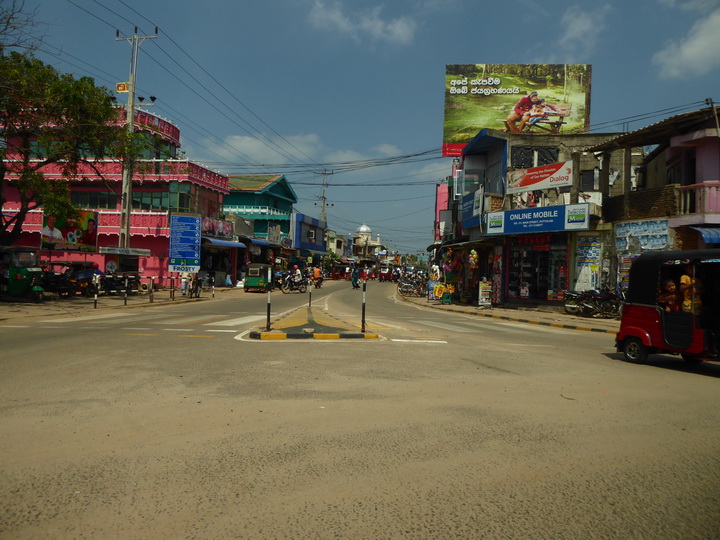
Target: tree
(49,118)
(331,260)
(14,25)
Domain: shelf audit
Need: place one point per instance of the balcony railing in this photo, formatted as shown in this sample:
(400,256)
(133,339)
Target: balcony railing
(701,198)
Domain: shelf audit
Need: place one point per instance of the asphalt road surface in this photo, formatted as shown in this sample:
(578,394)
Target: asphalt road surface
(170,422)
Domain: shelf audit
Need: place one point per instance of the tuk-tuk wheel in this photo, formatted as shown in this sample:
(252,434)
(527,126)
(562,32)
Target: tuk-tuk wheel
(36,296)
(634,350)
(691,358)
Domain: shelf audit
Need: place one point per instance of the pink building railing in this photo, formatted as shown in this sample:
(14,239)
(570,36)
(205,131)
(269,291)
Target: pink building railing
(703,198)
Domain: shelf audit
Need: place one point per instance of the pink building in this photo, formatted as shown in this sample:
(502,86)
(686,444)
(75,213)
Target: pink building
(161,184)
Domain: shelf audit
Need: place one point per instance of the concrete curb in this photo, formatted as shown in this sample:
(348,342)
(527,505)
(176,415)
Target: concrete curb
(310,335)
(540,318)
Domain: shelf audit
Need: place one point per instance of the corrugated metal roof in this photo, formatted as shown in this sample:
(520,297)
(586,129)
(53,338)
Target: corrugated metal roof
(710,235)
(657,133)
(251,182)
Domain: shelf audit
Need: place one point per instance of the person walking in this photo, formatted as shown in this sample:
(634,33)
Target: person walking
(356,278)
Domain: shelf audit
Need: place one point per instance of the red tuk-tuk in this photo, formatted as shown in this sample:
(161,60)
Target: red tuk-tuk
(672,306)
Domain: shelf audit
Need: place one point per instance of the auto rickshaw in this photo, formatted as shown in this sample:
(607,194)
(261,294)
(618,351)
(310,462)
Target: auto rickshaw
(20,273)
(685,321)
(256,277)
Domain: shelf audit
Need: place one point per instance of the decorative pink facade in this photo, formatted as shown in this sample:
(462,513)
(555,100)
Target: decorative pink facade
(202,188)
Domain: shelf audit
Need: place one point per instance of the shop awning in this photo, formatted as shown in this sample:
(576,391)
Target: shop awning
(224,243)
(256,241)
(710,235)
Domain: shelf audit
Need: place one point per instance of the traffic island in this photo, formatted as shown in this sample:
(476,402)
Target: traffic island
(311,324)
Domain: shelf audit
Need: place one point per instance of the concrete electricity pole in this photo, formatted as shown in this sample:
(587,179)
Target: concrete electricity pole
(126,198)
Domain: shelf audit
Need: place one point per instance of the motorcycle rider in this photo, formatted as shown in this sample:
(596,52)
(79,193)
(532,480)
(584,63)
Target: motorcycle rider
(317,276)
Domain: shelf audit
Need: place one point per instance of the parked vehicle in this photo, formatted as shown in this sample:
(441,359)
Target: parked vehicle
(385,273)
(86,277)
(20,273)
(256,277)
(684,322)
(57,277)
(593,303)
(117,283)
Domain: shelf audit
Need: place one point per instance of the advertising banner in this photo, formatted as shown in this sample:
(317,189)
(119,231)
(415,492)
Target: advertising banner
(537,178)
(71,234)
(510,97)
(569,217)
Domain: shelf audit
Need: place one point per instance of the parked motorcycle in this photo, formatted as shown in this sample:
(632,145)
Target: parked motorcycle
(57,278)
(594,303)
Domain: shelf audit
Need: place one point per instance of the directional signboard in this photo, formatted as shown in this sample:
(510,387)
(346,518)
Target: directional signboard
(184,243)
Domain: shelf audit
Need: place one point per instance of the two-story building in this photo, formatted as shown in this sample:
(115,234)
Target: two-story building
(161,184)
(540,215)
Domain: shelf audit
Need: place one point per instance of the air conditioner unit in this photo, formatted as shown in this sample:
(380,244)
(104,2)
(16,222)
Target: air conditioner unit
(311,235)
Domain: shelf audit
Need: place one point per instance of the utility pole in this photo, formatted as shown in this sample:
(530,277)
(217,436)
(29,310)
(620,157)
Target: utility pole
(128,165)
(323,198)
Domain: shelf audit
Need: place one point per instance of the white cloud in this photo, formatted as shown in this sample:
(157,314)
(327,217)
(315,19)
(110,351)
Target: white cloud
(368,24)
(696,54)
(692,5)
(583,29)
(387,150)
(270,150)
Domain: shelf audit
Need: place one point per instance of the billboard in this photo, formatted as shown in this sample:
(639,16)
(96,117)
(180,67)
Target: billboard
(519,98)
(77,233)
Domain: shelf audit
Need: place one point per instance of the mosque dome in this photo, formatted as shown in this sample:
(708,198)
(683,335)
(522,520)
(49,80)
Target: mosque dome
(364,229)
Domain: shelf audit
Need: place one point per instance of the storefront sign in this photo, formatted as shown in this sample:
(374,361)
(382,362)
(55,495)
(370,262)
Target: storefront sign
(570,217)
(536,178)
(184,243)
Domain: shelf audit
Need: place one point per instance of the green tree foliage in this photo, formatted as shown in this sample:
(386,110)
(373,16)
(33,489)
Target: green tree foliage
(331,260)
(49,118)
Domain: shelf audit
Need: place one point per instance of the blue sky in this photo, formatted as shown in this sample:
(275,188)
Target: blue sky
(299,87)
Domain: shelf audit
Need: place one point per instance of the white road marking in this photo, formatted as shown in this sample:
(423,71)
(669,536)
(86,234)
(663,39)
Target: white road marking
(238,321)
(418,341)
(443,326)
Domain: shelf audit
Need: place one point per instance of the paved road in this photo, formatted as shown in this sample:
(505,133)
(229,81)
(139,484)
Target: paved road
(169,423)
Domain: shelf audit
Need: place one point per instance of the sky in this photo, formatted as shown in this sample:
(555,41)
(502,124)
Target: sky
(346,97)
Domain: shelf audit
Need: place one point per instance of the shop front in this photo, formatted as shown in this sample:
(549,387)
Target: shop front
(540,245)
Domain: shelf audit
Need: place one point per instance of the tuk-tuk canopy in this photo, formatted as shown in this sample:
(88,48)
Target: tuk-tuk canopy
(645,271)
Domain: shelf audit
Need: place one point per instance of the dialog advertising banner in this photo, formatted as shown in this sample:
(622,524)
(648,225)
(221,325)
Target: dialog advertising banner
(548,176)
(544,99)
(77,233)
(569,217)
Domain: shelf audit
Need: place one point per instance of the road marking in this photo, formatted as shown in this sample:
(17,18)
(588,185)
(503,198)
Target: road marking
(229,331)
(186,320)
(418,341)
(443,326)
(238,321)
(534,328)
(177,329)
(197,336)
(88,318)
(13,326)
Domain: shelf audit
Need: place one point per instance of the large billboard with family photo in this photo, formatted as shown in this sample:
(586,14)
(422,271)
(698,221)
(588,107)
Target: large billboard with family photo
(541,99)
(76,233)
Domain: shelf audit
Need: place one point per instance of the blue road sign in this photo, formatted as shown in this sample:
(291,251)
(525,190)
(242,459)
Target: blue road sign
(185,230)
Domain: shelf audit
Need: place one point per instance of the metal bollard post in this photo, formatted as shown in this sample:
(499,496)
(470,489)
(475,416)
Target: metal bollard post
(269,277)
(152,289)
(212,278)
(126,290)
(362,329)
(172,288)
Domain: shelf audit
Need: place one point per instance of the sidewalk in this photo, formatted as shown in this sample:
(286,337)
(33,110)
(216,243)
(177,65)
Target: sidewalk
(80,306)
(544,317)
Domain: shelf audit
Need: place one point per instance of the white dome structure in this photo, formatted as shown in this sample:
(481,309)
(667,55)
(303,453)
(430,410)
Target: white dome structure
(364,229)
